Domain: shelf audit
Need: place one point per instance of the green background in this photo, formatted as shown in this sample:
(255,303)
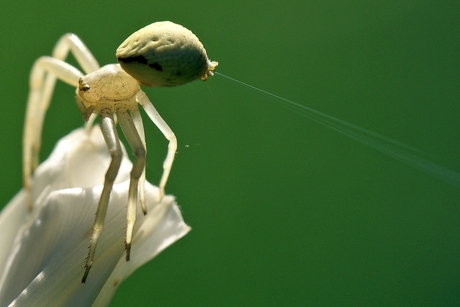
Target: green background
(284,211)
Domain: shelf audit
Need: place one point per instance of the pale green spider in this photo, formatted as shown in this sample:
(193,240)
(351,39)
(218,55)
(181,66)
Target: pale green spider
(161,54)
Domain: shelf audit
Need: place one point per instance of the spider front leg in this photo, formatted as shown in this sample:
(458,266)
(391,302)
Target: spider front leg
(42,80)
(109,132)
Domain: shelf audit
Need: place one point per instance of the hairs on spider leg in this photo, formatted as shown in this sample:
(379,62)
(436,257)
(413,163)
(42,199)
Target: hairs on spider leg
(383,144)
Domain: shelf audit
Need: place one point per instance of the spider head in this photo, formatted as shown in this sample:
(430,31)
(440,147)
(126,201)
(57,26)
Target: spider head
(108,87)
(164,54)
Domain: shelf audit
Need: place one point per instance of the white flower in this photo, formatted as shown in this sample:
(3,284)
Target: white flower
(43,252)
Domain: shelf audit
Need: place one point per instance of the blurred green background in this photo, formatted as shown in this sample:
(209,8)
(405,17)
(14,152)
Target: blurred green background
(284,211)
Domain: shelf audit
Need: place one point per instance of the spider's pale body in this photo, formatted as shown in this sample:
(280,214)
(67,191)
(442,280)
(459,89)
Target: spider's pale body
(161,54)
(108,87)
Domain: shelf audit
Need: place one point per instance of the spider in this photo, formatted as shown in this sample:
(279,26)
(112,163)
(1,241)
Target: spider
(162,54)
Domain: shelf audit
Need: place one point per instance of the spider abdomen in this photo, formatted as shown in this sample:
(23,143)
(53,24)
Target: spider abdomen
(164,54)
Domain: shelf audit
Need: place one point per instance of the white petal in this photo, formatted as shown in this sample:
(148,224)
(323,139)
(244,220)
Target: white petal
(11,219)
(152,236)
(46,259)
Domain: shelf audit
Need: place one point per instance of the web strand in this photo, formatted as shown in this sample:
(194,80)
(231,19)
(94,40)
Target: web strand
(383,144)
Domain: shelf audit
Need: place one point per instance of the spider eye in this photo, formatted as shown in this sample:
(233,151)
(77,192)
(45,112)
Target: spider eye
(164,54)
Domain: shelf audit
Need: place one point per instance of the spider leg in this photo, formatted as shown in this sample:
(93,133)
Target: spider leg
(137,119)
(42,80)
(167,132)
(109,132)
(137,145)
(71,42)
